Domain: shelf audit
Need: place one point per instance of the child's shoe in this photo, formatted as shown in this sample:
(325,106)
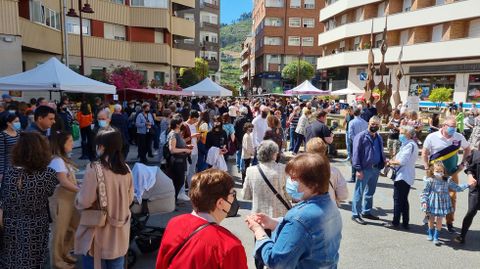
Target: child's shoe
(430,234)
(435,237)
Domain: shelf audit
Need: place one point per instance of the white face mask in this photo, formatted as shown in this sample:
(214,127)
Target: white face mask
(438,174)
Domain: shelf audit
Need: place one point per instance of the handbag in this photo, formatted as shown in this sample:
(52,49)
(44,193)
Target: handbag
(97,217)
(231,147)
(287,205)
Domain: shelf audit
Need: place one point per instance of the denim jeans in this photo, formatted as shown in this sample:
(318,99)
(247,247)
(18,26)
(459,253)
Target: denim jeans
(362,201)
(349,143)
(118,263)
(239,160)
(202,157)
(292,139)
(298,142)
(192,169)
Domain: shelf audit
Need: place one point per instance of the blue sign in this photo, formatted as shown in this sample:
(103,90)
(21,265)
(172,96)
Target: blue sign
(363,76)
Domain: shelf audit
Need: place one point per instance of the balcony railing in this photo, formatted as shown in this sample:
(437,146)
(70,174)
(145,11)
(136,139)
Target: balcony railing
(211,4)
(244,62)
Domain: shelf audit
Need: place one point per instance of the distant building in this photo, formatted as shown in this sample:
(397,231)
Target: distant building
(440,42)
(247,64)
(141,33)
(282,32)
(206,43)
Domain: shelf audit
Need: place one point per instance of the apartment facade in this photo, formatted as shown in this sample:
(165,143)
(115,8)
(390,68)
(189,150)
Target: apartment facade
(135,33)
(283,31)
(206,43)
(438,41)
(247,64)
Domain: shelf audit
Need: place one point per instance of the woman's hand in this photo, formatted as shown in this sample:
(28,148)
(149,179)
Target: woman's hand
(255,227)
(265,221)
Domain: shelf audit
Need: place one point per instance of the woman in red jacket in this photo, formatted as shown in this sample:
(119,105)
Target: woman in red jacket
(197,240)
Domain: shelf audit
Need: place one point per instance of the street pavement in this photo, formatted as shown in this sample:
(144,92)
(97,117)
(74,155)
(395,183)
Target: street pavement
(369,246)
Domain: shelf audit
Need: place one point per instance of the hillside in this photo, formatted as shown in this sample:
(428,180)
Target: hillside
(231,38)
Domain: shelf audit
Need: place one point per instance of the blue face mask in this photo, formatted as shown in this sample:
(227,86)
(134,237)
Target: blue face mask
(17,126)
(102,123)
(292,189)
(451,130)
(403,139)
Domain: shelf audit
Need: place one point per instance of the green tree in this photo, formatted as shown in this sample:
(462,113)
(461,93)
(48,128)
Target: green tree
(201,68)
(290,71)
(440,95)
(187,77)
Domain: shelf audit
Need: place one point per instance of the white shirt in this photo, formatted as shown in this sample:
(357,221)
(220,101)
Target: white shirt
(58,165)
(233,111)
(193,130)
(259,129)
(407,156)
(436,142)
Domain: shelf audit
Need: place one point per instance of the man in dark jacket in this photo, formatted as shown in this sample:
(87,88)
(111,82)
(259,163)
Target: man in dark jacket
(367,159)
(239,133)
(119,120)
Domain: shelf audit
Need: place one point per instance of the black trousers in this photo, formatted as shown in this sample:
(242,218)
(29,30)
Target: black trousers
(87,142)
(473,207)
(142,147)
(400,202)
(244,170)
(178,175)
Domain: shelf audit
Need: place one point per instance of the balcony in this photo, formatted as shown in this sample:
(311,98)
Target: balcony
(187,3)
(244,75)
(209,24)
(37,36)
(183,27)
(107,11)
(97,47)
(428,16)
(150,53)
(9,17)
(183,58)
(209,44)
(149,17)
(244,62)
(214,4)
(340,6)
(430,51)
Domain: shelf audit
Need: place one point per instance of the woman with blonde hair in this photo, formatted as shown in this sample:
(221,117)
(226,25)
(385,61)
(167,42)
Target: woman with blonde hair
(338,186)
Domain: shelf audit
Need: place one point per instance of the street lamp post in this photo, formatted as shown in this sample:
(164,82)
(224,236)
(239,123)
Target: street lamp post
(71,13)
(298,65)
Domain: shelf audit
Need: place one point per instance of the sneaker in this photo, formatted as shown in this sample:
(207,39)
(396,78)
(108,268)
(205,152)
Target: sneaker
(459,239)
(351,181)
(450,228)
(182,196)
(370,216)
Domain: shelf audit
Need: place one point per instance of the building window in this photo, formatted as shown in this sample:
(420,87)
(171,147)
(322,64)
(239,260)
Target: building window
(310,59)
(276,22)
(295,3)
(159,37)
(189,16)
(294,41)
(73,26)
(378,40)
(189,41)
(309,4)
(437,33)
(359,14)
(272,63)
(341,46)
(356,43)
(381,9)
(473,93)
(407,5)
(307,41)
(209,37)
(121,2)
(149,3)
(144,74)
(474,28)
(331,24)
(274,3)
(208,18)
(294,22)
(209,55)
(114,31)
(423,86)
(404,36)
(308,23)
(43,15)
(159,77)
(272,41)
(439,2)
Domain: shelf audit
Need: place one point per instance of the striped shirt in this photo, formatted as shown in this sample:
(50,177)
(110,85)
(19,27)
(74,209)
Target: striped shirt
(294,122)
(6,144)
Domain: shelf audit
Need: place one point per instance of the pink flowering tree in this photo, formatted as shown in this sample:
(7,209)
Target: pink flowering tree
(125,77)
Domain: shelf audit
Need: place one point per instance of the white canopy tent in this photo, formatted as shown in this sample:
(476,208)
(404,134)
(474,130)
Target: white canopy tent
(206,87)
(347,91)
(54,76)
(306,88)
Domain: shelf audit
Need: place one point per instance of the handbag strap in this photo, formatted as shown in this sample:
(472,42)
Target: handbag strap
(177,250)
(273,189)
(101,188)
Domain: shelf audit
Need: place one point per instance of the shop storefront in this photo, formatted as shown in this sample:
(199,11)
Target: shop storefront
(473,94)
(422,86)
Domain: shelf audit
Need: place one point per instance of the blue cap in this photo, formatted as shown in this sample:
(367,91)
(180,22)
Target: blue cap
(6,96)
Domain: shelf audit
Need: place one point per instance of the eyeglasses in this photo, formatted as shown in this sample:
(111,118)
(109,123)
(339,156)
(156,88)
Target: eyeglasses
(233,193)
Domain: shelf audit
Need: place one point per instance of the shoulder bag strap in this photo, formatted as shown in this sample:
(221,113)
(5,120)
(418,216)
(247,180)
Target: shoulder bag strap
(177,250)
(101,188)
(273,189)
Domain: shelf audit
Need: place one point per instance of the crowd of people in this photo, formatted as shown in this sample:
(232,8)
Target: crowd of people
(295,196)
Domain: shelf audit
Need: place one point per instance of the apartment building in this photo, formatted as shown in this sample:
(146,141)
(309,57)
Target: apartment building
(438,39)
(137,33)
(247,64)
(206,43)
(284,30)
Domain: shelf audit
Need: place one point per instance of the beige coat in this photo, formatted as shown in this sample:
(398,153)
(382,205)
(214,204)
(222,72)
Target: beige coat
(263,199)
(114,241)
(338,186)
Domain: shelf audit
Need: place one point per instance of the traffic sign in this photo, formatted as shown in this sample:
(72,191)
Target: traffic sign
(363,76)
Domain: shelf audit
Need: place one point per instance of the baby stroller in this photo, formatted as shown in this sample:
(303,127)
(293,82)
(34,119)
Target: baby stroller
(154,194)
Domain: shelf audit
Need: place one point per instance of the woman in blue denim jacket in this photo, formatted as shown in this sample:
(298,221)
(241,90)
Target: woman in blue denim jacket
(309,235)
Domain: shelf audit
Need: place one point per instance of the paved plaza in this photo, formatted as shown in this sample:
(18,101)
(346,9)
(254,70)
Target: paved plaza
(372,245)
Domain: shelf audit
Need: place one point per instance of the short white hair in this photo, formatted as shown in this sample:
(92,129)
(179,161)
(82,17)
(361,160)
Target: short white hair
(117,108)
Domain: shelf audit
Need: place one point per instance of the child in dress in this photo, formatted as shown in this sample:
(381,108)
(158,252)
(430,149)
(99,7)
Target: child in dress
(435,199)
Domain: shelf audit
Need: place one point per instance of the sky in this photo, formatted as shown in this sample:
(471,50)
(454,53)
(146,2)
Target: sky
(231,9)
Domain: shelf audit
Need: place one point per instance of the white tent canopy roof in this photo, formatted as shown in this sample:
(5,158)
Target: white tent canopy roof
(207,87)
(306,88)
(348,91)
(54,76)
